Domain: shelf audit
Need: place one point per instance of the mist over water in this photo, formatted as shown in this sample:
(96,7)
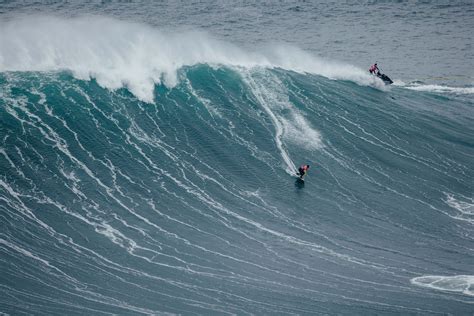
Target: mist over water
(148,161)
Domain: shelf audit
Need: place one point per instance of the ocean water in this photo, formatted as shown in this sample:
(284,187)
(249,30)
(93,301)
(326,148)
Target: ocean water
(148,155)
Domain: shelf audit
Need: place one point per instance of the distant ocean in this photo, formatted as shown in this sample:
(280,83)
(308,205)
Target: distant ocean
(148,154)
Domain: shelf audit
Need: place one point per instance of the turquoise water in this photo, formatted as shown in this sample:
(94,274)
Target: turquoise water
(153,173)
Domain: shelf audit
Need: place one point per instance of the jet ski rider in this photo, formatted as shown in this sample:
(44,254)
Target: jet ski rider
(374,69)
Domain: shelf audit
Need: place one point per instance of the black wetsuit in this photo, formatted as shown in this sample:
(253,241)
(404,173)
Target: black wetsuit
(301,172)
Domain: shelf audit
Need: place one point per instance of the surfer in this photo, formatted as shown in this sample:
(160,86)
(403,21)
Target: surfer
(374,69)
(302,171)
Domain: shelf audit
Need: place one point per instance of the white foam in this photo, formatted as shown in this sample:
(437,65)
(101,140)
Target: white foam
(458,283)
(125,54)
(293,127)
(464,209)
(440,88)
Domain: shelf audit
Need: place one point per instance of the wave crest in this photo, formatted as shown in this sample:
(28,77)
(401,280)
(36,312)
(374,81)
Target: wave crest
(125,54)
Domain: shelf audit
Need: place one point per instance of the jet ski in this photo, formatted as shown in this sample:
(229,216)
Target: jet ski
(384,78)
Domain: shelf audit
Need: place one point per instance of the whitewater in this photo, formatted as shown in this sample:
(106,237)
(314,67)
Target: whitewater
(151,170)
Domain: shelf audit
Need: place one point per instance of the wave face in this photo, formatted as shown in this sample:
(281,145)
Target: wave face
(171,190)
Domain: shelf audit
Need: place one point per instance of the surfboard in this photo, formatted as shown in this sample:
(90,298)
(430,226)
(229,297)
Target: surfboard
(299,183)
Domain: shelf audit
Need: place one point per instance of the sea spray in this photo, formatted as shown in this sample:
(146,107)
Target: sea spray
(126,54)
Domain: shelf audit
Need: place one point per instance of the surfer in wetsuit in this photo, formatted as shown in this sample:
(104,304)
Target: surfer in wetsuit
(374,69)
(302,171)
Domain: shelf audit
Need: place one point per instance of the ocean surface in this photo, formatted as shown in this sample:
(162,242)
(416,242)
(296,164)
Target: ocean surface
(148,154)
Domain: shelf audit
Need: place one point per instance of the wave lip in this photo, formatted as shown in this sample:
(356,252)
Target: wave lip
(125,54)
(458,283)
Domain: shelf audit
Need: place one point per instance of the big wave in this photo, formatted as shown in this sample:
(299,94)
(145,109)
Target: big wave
(126,54)
(151,172)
